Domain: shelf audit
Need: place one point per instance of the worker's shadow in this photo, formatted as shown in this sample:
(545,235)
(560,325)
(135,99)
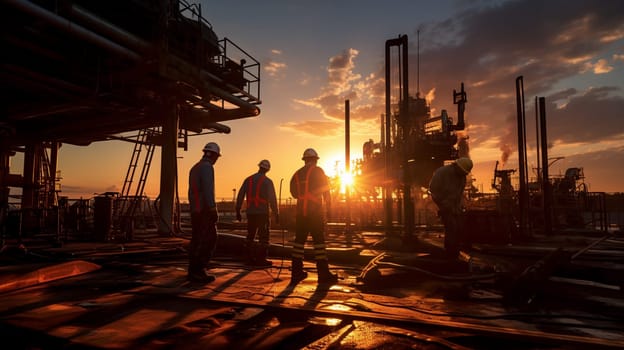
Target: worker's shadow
(317,297)
(320,292)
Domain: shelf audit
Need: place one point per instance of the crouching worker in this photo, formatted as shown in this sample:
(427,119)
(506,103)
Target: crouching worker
(447,189)
(261,201)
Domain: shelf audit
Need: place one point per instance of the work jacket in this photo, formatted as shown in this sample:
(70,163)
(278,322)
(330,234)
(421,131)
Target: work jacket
(447,188)
(260,193)
(201,192)
(309,185)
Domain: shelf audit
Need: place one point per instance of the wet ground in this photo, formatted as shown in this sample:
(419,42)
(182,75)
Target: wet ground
(392,294)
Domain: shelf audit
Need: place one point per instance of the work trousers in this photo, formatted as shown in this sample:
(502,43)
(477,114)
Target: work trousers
(310,225)
(203,239)
(258,224)
(452,231)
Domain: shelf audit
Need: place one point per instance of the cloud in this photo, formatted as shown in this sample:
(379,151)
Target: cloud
(365,94)
(550,44)
(319,128)
(600,67)
(273,68)
(547,43)
(593,116)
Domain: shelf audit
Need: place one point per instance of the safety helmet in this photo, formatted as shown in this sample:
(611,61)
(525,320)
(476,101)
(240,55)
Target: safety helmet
(212,147)
(464,164)
(309,153)
(265,164)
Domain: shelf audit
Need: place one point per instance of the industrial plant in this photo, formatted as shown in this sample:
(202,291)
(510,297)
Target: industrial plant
(540,257)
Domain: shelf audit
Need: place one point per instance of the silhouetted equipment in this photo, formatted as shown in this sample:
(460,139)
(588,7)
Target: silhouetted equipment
(523,191)
(82,71)
(103,216)
(413,143)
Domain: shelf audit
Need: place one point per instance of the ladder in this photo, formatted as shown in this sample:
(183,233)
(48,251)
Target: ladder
(126,210)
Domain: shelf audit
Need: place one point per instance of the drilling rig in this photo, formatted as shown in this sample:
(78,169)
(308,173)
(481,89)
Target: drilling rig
(413,143)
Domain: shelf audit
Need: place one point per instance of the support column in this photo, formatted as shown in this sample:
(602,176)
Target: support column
(168,169)
(348,164)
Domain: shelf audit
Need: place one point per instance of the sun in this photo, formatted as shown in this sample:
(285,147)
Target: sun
(346,179)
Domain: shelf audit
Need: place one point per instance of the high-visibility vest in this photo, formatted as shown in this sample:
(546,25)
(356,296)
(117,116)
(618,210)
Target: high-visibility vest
(304,194)
(255,200)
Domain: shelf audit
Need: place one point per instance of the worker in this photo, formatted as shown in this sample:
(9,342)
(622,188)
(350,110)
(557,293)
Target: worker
(447,188)
(261,201)
(310,186)
(204,214)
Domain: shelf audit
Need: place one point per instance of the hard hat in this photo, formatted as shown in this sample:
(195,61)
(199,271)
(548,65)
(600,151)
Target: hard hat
(310,153)
(265,164)
(464,164)
(212,147)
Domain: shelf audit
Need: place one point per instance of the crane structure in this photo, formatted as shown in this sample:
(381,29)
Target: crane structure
(80,71)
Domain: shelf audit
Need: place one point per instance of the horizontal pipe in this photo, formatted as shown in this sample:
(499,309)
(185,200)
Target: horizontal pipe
(224,94)
(72,28)
(110,30)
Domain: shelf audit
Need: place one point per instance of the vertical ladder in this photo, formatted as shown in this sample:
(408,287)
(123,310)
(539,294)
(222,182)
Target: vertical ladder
(150,146)
(121,210)
(130,204)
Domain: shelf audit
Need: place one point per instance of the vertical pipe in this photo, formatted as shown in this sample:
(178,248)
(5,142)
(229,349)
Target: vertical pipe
(387,194)
(537,142)
(28,188)
(54,148)
(523,198)
(168,166)
(408,204)
(547,191)
(348,163)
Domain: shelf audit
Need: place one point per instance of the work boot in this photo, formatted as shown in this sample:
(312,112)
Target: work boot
(249,251)
(324,275)
(261,254)
(199,276)
(298,274)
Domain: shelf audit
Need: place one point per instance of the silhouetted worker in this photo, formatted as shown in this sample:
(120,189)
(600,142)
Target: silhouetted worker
(447,188)
(260,193)
(310,186)
(204,215)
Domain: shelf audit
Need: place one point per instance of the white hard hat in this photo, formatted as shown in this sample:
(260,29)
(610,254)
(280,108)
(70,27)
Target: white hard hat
(265,164)
(212,147)
(310,153)
(464,164)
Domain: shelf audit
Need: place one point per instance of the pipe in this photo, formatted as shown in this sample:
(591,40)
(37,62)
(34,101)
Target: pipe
(546,188)
(523,194)
(348,162)
(72,28)
(388,144)
(224,94)
(408,204)
(110,30)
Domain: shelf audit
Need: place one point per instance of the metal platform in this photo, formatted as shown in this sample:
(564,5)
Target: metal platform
(135,295)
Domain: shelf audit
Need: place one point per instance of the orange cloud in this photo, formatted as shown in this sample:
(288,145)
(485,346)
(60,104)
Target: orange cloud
(273,68)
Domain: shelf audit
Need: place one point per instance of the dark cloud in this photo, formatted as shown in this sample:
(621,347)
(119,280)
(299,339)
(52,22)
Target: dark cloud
(487,46)
(592,117)
(543,41)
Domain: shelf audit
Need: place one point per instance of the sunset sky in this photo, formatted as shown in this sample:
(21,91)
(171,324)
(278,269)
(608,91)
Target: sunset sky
(316,54)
